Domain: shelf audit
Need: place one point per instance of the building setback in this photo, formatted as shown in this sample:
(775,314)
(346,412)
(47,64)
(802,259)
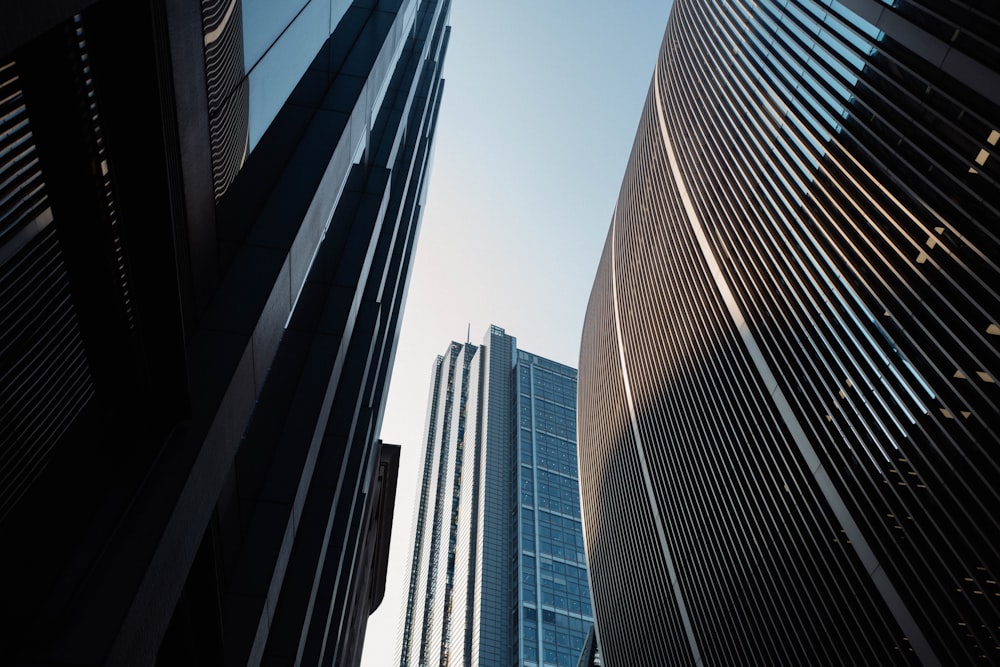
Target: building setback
(788,398)
(208,210)
(498,574)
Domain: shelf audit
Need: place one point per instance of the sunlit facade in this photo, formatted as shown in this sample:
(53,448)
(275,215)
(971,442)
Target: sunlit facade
(208,211)
(498,571)
(788,399)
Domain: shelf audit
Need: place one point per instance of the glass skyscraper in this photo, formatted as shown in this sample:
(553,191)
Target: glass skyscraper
(789,416)
(498,573)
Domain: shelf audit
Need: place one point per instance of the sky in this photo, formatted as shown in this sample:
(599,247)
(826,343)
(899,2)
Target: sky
(540,107)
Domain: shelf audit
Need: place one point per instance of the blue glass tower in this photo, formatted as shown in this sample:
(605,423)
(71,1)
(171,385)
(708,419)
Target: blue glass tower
(498,572)
(554,597)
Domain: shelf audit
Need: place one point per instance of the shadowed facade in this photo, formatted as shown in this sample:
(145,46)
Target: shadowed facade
(207,222)
(788,402)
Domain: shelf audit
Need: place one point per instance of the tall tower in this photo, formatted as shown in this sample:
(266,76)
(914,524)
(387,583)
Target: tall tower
(789,409)
(208,210)
(498,572)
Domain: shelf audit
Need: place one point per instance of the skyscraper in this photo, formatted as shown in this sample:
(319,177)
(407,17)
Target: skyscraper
(788,399)
(208,210)
(498,573)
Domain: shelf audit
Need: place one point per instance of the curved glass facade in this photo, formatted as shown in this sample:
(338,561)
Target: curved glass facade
(256,52)
(787,393)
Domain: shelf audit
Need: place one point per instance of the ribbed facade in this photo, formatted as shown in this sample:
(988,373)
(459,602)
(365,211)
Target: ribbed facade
(498,572)
(788,403)
(228,101)
(208,212)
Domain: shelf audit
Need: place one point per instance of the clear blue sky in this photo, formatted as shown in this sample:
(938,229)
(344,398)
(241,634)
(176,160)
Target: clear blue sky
(541,103)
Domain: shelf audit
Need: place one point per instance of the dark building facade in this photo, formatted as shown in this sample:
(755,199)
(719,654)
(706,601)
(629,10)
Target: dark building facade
(788,402)
(590,656)
(208,210)
(498,572)
(368,589)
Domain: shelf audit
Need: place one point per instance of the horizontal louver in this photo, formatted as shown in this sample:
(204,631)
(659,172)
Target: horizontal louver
(110,208)
(228,95)
(44,379)
(22,193)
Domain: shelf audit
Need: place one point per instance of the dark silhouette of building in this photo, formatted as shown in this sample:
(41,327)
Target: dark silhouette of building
(373,561)
(590,656)
(208,210)
(788,398)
